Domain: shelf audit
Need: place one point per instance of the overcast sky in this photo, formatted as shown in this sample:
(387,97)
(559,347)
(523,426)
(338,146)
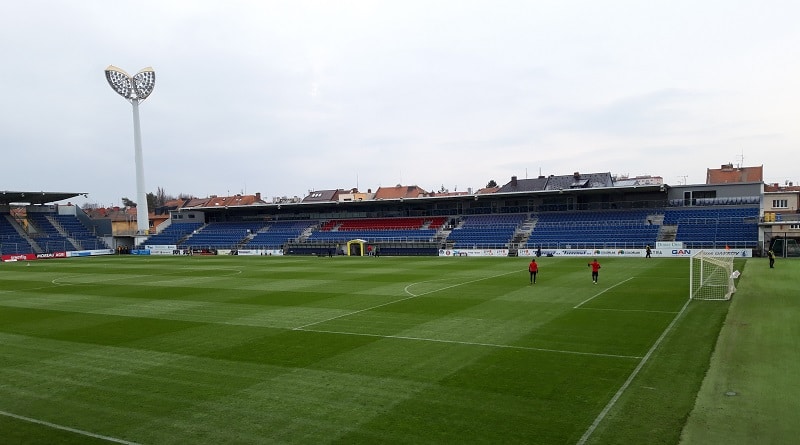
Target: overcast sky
(285,97)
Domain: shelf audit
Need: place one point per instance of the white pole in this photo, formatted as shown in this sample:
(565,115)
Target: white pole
(142,221)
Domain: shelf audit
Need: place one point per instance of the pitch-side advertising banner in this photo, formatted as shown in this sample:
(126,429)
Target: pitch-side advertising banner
(260,252)
(628,253)
(656,253)
(174,250)
(76,253)
(473,252)
(51,255)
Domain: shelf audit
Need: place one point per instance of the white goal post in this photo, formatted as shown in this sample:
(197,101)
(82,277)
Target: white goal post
(711,277)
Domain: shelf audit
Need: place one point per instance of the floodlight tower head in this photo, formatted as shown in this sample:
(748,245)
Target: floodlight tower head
(133,88)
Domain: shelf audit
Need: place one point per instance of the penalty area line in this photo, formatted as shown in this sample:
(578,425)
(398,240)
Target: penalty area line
(600,293)
(396,301)
(66,428)
(470,343)
(625,310)
(408,291)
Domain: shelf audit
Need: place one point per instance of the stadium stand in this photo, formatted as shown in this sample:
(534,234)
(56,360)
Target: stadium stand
(715,227)
(173,234)
(11,242)
(53,232)
(77,232)
(416,229)
(276,234)
(223,235)
(485,231)
(47,236)
(728,223)
(601,229)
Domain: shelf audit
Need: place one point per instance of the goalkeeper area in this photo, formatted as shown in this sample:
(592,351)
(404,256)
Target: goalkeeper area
(300,350)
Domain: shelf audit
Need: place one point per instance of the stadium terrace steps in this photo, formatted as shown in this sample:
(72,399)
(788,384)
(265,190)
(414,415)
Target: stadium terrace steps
(276,234)
(477,231)
(13,239)
(173,234)
(77,232)
(48,236)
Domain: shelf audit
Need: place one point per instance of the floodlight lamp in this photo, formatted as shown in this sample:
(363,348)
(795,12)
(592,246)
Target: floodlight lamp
(137,87)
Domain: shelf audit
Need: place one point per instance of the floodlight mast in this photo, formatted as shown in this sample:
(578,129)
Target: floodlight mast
(135,89)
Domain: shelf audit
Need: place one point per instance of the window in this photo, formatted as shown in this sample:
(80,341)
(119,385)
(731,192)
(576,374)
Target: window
(708,194)
(780,203)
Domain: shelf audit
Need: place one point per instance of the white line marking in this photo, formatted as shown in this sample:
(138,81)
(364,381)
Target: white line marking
(600,293)
(469,343)
(624,310)
(66,428)
(398,301)
(633,375)
(451,286)
(353,313)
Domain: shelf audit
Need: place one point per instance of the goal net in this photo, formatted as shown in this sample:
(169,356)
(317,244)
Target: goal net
(711,277)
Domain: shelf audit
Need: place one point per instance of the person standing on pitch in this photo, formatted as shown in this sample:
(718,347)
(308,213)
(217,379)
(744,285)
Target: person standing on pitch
(533,268)
(771,255)
(647,251)
(595,270)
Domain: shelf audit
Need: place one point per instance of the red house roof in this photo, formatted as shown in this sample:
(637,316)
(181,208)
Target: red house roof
(400,191)
(728,174)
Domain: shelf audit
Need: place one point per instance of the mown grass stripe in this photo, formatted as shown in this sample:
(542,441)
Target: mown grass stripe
(66,428)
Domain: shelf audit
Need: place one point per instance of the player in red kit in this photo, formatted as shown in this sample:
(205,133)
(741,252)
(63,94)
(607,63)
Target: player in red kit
(533,268)
(595,270)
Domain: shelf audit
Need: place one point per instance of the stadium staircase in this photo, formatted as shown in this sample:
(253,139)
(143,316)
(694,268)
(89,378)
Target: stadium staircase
(276,234)
(173,234)
(521,235)
(441,235)
(491,231)
(222,235)
(14,239)
(667,232)
(76,232)
(307,233)
(49,235)
(655,219)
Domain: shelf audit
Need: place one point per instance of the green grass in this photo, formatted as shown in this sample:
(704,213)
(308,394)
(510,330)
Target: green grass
(349,350)
(752,393)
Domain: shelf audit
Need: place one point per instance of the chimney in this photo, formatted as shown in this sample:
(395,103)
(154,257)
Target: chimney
(258,196)
(576,175)
(727,167)
(513,181)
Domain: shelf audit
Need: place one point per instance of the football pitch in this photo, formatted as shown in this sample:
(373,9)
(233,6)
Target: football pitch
(307,350)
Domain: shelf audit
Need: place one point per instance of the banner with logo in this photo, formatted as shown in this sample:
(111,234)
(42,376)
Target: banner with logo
(473,252)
